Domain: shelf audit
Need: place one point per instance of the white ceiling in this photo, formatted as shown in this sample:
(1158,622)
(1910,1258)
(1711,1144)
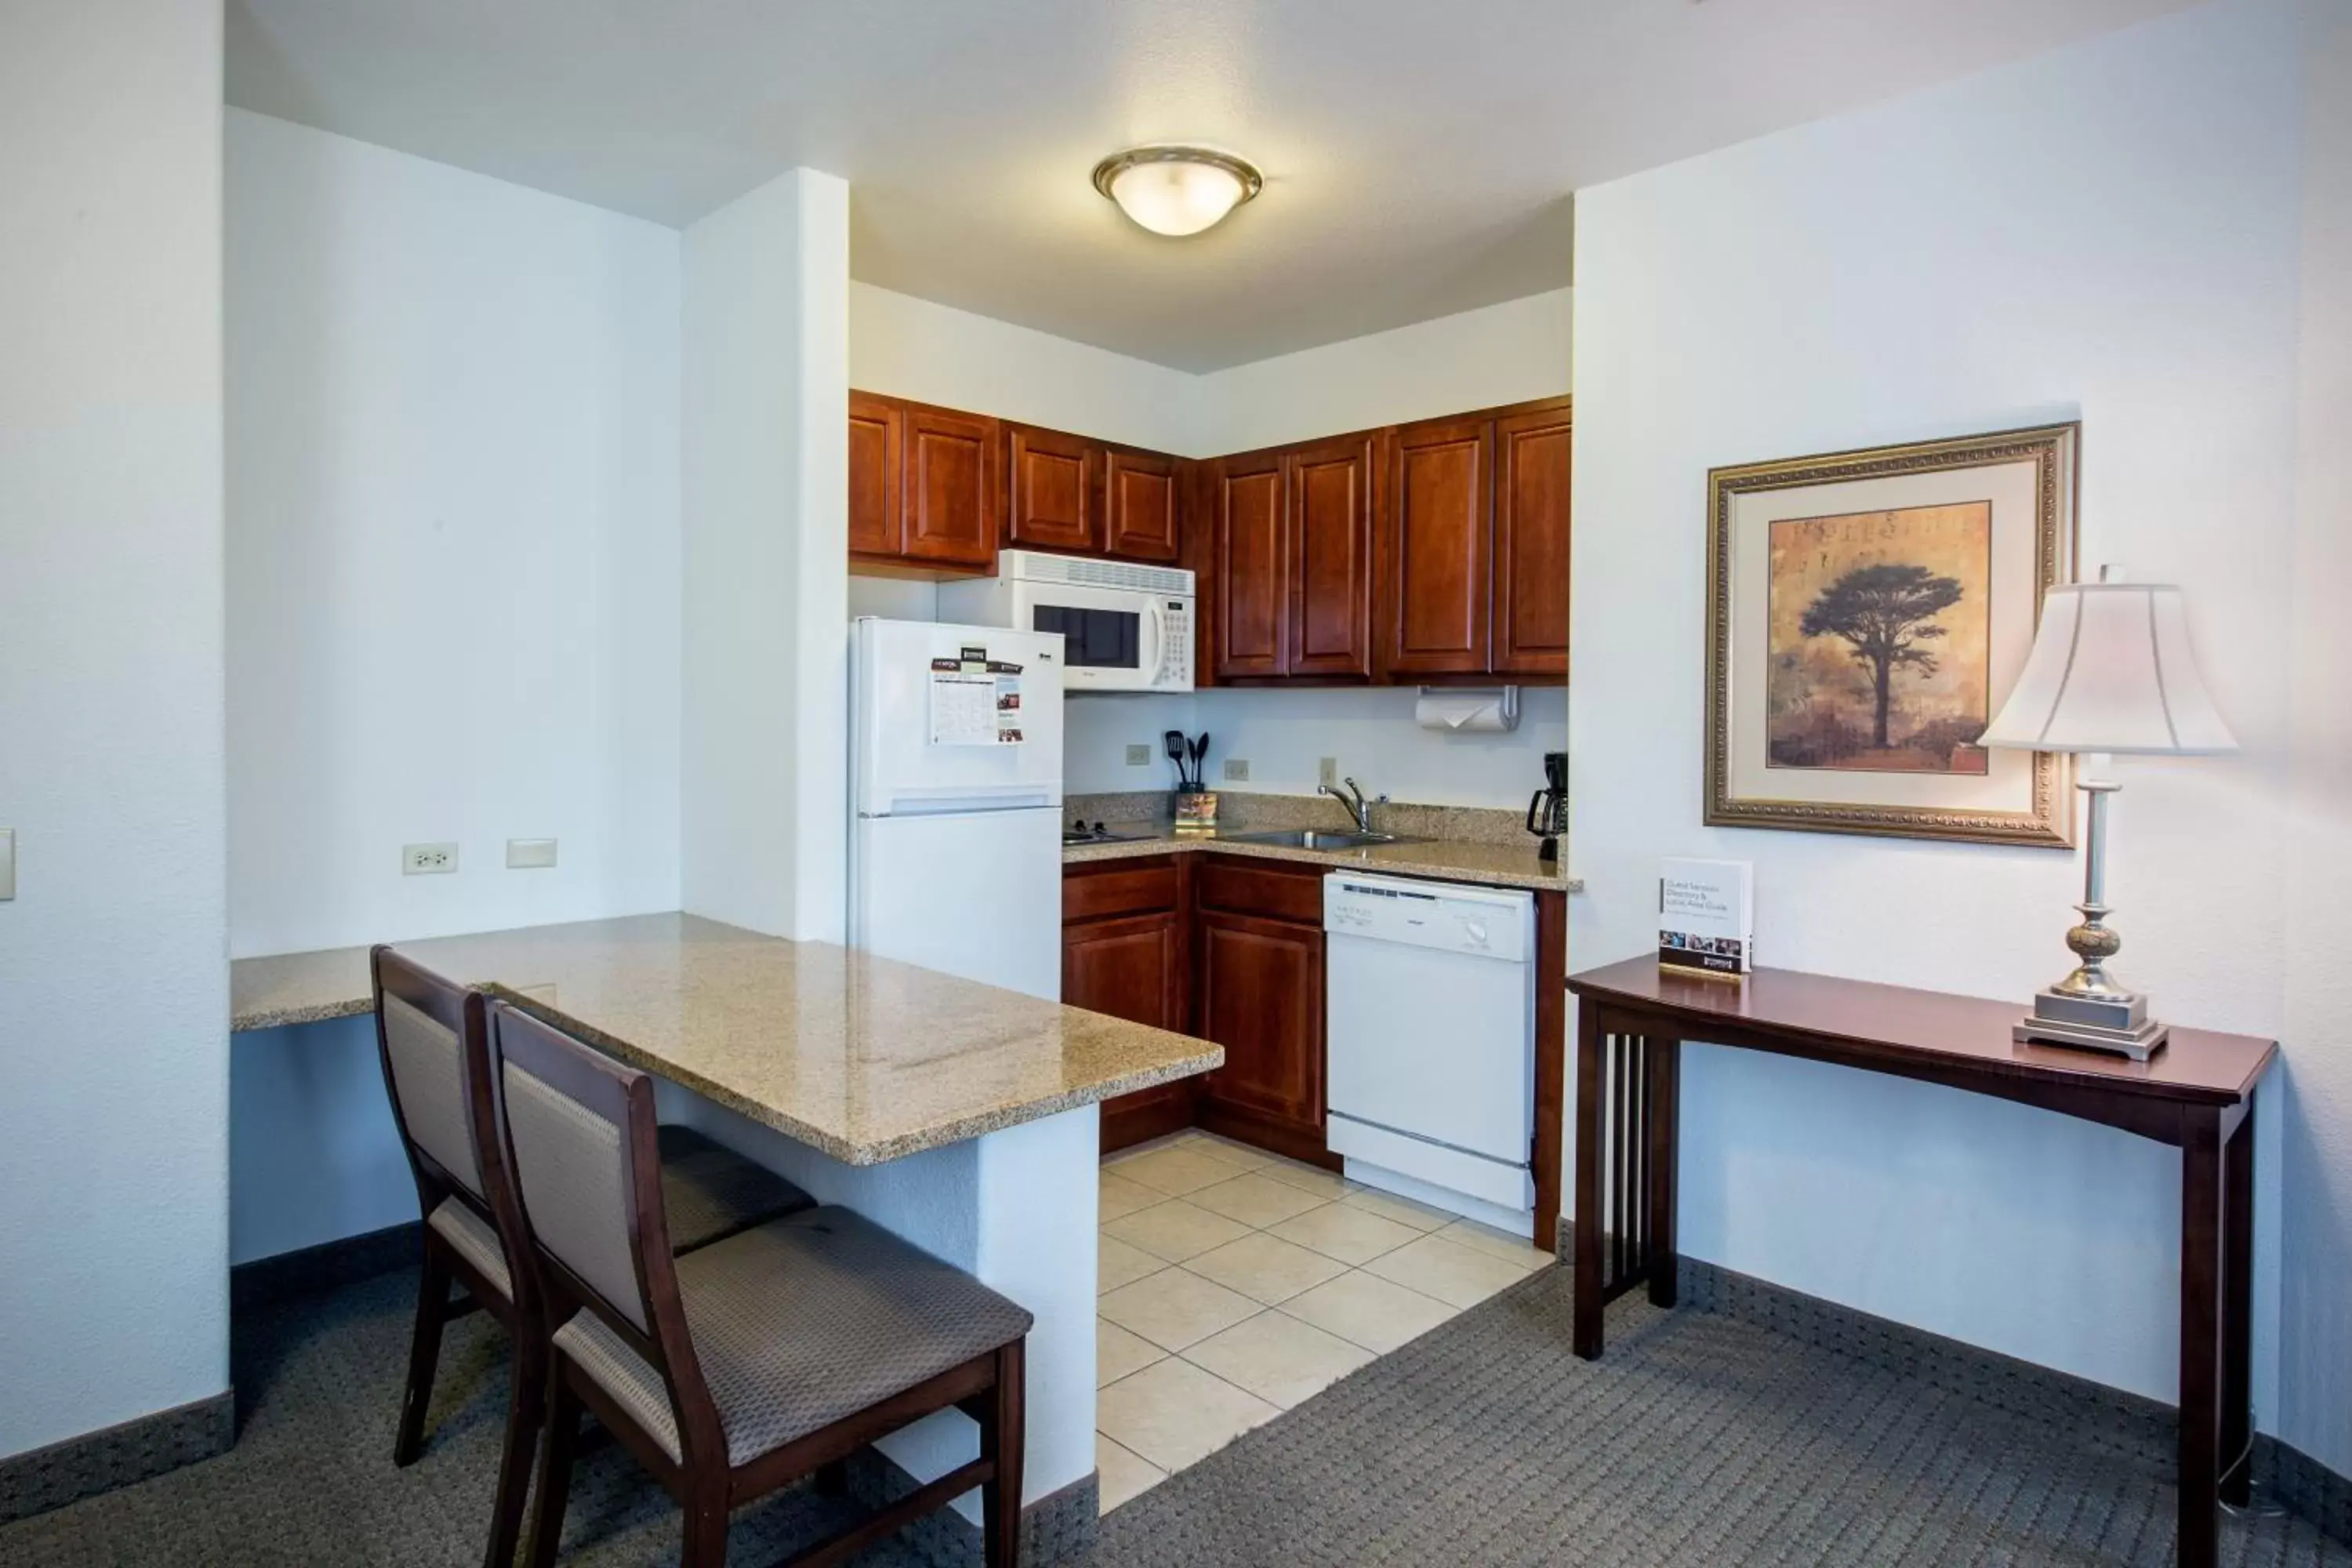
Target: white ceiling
(1419,154)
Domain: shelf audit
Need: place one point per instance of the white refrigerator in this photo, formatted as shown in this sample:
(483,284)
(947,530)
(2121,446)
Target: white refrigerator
(955,852)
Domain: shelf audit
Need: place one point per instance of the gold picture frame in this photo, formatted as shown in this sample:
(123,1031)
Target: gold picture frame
(1867,612)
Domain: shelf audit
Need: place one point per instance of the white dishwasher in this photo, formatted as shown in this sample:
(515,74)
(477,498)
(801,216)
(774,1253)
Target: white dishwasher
(1430,1014)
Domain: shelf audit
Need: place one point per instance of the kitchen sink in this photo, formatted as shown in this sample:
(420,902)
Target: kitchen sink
(1318,838)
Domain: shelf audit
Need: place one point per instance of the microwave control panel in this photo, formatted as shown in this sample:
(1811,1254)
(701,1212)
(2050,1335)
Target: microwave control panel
(1176,656)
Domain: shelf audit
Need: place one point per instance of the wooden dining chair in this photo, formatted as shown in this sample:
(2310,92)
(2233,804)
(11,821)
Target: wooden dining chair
(735,1369)
(434,1038)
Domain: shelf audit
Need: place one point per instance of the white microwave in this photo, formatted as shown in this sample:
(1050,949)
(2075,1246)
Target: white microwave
(1125,627)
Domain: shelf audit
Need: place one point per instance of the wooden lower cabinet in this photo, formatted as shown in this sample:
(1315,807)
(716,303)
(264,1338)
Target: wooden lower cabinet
(1260,996)
(1228,949)
(1126,950)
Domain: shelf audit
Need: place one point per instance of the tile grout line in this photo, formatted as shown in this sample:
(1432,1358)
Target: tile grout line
(1268,1167)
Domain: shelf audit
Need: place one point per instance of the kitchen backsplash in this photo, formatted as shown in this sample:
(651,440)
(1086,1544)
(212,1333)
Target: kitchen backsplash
(1248,810)
(1285,733)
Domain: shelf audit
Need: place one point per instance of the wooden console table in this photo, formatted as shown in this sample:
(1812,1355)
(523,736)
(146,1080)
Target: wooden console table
(2197,1095)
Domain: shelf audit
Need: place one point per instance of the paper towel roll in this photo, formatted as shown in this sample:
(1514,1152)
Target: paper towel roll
(1476,709)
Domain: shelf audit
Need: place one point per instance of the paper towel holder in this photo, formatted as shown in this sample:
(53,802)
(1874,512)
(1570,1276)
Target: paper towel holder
(1453,707)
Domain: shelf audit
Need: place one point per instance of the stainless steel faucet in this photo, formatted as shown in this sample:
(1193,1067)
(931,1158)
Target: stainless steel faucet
(1360,808)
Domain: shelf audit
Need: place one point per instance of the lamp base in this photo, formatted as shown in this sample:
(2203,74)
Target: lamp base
(2139,1042)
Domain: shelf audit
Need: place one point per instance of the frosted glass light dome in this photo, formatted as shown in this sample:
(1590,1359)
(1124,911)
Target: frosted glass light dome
(1177,191)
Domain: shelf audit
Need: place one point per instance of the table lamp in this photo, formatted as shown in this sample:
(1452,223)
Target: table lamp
(2110,672)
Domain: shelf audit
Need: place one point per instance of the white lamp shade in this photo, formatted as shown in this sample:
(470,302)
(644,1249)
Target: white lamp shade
(1175,197)
(2110,671)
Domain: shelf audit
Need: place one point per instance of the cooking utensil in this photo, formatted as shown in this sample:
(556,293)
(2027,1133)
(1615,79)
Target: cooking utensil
(1200,753)
(1174,740)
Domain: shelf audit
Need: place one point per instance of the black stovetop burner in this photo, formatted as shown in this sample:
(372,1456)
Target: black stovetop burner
(1080,832)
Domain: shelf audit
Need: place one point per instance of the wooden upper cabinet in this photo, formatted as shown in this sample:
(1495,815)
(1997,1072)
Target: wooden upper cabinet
(1251,577)
(1436,570)
(1532,466)
(1056,492)
(874,430)
(950,498)
(1330,620)
(1140,499)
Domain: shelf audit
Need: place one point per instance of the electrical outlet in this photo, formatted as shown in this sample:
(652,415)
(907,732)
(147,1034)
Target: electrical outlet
(8,863)
(1329,773)
(1236,770)
(529,854)
(1138,756)
(428,859)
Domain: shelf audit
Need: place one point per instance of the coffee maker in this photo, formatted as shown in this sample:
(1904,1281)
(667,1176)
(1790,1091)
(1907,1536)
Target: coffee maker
(1548,811)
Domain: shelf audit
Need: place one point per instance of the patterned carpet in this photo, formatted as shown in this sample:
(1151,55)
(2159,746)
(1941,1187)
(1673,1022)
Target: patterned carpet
(1699,1439)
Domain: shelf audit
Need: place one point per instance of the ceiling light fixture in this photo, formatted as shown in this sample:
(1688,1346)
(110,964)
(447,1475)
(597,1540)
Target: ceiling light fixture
(1176,190)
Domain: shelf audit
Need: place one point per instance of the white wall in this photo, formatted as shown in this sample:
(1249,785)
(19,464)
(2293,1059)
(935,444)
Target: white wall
(2315,1308)
(453,546)
(313,1154)
(765,372)
(113,955)
(906,347)
(454,601)
(1284,735)
(2111,231)
(1510,353)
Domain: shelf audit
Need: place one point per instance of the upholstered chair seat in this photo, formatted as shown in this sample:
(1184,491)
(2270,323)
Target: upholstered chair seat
(711,1192)
(801,1324)
(475,1240)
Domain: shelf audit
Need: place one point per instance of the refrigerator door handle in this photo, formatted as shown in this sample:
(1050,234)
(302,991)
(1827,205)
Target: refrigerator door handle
(954,804)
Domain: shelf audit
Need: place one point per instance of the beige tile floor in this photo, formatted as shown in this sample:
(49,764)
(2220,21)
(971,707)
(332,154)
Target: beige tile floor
(1236,1284)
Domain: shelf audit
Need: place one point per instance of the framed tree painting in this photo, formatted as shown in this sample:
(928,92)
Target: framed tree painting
(1867,612)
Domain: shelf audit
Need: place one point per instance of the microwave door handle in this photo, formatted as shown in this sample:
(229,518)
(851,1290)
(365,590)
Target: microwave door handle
(1149,657)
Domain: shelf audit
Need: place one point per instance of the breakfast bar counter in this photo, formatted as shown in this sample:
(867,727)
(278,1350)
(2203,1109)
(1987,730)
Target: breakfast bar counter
(863,1058)
(959,1116)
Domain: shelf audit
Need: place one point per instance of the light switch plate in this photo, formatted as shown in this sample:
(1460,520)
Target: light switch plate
(1138,756)
(1236,770)
(8,863)
(529,854)
(1329,772)
(428,859)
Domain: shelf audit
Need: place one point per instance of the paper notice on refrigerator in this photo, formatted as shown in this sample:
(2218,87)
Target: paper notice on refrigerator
(1007,678)
(975,701)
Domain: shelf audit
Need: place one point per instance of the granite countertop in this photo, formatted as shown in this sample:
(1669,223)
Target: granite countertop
(1448,861)
(862,1058)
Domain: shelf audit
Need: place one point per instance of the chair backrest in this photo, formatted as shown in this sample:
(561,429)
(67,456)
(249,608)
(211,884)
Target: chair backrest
(588,1174)
(585,1148)
(431,1035)
(440,1070)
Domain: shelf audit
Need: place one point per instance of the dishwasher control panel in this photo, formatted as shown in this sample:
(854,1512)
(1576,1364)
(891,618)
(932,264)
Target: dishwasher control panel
(1494,922)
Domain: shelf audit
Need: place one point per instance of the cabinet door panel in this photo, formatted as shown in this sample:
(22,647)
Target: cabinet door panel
(874,459)
(1140,492)
(1438,574)
(950,500)
(1252,560)
(1533,457)
(1330,630)
(1131,969)
(1261,997)
(1053,502)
